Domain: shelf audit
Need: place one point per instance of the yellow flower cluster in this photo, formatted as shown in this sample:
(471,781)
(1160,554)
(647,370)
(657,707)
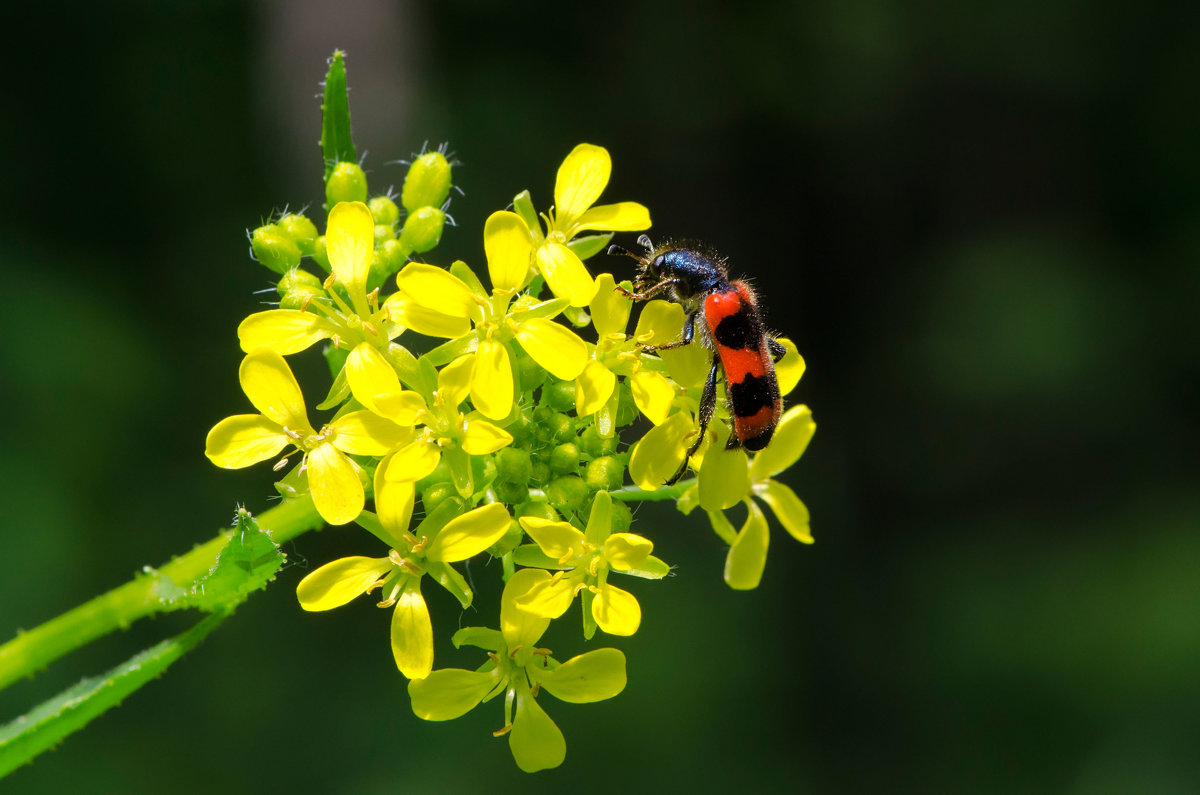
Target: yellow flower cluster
(508,431)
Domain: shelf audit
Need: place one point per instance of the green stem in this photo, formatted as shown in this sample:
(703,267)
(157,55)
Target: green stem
(634,494)
(31,651)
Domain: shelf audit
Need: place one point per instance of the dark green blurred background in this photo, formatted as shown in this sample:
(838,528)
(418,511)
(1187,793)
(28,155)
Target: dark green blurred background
(978,222)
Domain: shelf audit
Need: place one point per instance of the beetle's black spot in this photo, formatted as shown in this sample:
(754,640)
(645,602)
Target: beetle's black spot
(752,394)
(737,331)
(756,443)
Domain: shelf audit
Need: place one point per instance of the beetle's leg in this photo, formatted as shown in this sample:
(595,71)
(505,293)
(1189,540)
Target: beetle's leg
(708,404)
(689,334)
(653,291)
(777,350)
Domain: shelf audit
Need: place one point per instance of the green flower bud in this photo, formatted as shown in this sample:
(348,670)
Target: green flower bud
(514,464)
(560,395)
(384,232)
(540,473)
(564,459)
(427,183)
(627,410)
(436,494)
(423,229)
(391,256)
(299,229)
(567,493)
(384,211)
(508,542)
(622,517)
(511,492)
(592,443)
(347,183)
(530,373)
(539,510)
(606,473)
(298,279)
(274,249)
(319,254)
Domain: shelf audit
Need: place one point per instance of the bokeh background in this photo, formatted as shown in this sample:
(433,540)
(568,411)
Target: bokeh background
(979,222)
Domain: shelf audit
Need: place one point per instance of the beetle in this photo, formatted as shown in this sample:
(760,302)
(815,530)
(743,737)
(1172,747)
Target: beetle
(732,329)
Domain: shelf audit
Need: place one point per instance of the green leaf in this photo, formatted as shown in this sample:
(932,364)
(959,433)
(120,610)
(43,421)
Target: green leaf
(589,245)
(246,564)
(50,722)
(336,143)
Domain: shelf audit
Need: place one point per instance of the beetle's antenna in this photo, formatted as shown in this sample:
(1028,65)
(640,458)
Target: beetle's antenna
(614,249)
(644,242)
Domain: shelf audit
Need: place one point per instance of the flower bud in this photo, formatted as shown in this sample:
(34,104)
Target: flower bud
(508,542)
(384,232)
(592,443)
(567,493)
(274,249)
(627,410)
(538,510)
(560,395)
(384,211)
(391,256)
(297,279)
(427,183)
(622,517)
(514,464)
(299,229)
(511,492)
(423,229)
(436,494)
(529,371)
(540,472)
(606,473)
(564,459)
(347,183)
(319,254)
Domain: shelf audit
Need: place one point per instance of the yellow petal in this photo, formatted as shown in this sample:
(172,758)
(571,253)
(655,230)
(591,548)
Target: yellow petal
(333,481)
(616,611)
(350,243)
(790,368)
(492,381)
(658,454)
(412,633)
(559,540)
(587,678)
(788,509)
(402,309)
(661,322)
(748,556)
(412,462)
(554,346)
(619,217)
(454,380)
(467,535)
(565,274)
(376,386)
(724,477)
(795,431)
(268,382)
(450,693)
(393,501)
(582,177)
(243,440)
(548,598)
(438,289)
(284,331)
(609,308)
(366,433)
(507,243)
(535,741)
(519,627)
(653,394)
(593,387)
(336,583)
(481,438)
(625,551)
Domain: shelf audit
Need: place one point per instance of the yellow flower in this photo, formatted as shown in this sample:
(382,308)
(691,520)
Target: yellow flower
(350,244)
(517,245)
(584,561)
(454,304)
(448,432)
(435,544)
(333,478)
